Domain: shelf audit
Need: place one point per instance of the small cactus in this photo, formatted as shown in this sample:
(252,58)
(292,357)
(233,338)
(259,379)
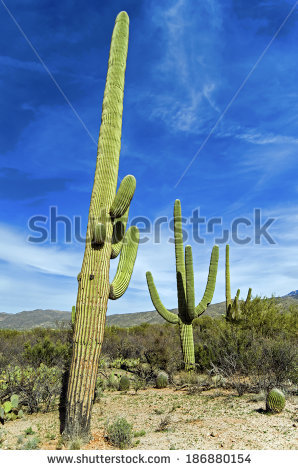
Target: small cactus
(124,383)
(275,401)
(162,380)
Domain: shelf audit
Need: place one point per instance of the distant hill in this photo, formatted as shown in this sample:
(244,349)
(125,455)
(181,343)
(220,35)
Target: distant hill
(30,319)
(27,320)
(294,293)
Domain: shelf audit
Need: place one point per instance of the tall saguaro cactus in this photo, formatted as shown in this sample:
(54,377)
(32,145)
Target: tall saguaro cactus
(187,311)
(105,239)
(232,306)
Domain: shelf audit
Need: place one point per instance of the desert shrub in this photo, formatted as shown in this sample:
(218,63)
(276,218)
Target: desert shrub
(31,444)
(18,347)
(113,382)
(124,383)
(164,424)
(119,433)
(276,363)
(260,347)
(46,352)
(138,383)
(101,383)
(156,345)
(100,386)
(37,389)
(75,445)
(162,380)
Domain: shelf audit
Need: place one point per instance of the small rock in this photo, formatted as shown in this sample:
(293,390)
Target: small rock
(213,434)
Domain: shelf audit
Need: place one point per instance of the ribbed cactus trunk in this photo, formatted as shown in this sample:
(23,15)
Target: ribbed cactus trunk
(187,346)
(94,287)
(187,311)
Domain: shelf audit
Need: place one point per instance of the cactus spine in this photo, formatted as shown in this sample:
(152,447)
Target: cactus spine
(233,313)
(105,239)
(187,311)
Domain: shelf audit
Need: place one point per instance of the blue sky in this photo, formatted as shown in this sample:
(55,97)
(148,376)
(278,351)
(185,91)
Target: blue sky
(187,60)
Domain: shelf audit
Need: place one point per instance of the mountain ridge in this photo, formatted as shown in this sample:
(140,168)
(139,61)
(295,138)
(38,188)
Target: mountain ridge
(49,318)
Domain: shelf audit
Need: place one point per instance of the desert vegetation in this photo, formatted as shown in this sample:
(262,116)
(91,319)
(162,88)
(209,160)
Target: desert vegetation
(245,359)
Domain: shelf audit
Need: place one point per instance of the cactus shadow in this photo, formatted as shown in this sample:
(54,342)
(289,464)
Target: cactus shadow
(62,400)
(263,411)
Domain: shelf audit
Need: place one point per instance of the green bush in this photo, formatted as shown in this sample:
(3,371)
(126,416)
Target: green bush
(113,382)
(46,352)
(124,383)
(38,389)
(36,346)
(31,444)
(162,380)
(10,409)
(119,433)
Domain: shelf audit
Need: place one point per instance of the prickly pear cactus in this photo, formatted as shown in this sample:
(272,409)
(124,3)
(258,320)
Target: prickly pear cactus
(275,401)
(162,380)
(10,410)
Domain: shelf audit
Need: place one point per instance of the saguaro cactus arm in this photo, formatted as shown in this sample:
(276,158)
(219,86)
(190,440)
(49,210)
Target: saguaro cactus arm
(233,309)
(179,250)
(228,281)
(210,287)
(123,197)
(248,298)
(126,263)
(166,314)
(117,241)
(99,234)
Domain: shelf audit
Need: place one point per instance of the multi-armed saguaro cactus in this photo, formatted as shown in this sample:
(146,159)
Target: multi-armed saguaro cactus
(187,311)
(105,239)
(232,306)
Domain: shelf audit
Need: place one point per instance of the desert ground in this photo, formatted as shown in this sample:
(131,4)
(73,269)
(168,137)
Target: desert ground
(169,419)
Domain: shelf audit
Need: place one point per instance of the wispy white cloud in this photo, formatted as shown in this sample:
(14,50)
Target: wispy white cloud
(16,250)
(45,276)
(258,137)
(186,55)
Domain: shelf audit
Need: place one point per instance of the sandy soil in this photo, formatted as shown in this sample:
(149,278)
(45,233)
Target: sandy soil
(210,420)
